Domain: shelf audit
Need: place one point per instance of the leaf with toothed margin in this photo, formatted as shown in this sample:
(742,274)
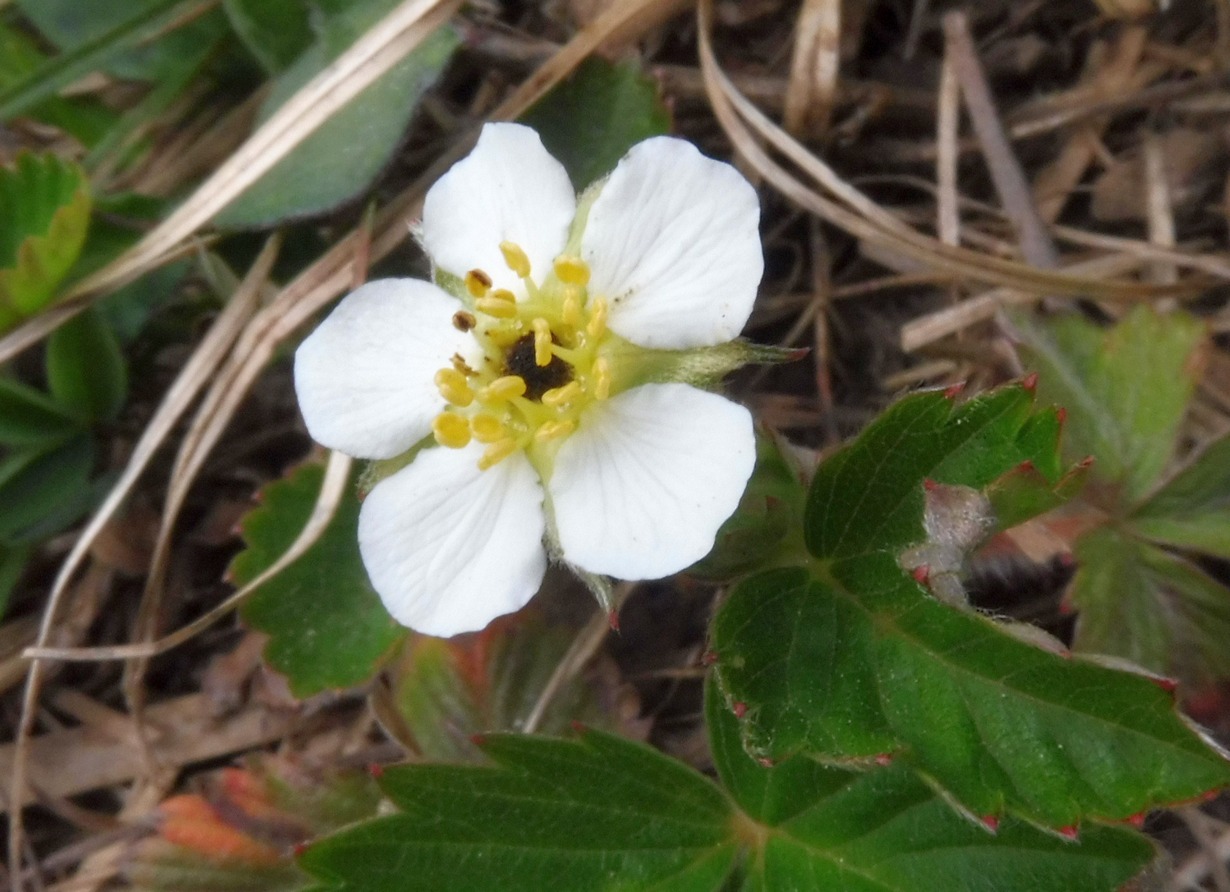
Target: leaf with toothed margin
(851,657)
(821,827)
(326,626)
(596,813)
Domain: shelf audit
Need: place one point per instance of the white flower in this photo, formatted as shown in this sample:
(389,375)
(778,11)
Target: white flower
(535,388)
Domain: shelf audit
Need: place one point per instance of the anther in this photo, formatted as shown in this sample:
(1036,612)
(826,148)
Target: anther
(499,303)
(488,428)
(572,270)
(497,452)
(597,318)
(542,342)
(451,430)
(562,396)
(503,389)
(464,320)
(478,283)
(553,430)
(454,388)
(516,258)
(602,378)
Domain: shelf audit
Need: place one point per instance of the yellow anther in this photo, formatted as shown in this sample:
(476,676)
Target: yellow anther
(597,318)
(497,452)
(562,396)
(454,387)
(542,342)
(503,389)
(571,311)
(602,378)
(516,258)
(496,306)
(477,282)
(553,430)
(451,430)
(488,428)
(572,270)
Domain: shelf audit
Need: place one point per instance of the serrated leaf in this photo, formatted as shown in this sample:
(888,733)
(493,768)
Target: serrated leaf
(28,417)
(885,830)
(341,158)
(599,813)
(1192,510)
(860,504)
(1149,606)
(851,658)
(326,626)
(1126,389)
(44,215)
(85,369)
(448,690)
(590,120)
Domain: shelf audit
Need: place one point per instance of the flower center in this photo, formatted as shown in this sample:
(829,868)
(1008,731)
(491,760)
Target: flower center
(542,362)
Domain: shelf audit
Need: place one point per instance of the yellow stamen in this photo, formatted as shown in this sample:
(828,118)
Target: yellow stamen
(488,428)
(597,318)
(497,452)
(562,396)
(499,303)
(454,388)
(572,270)
(552,430)
(503,389)
(602,378)
(542,342)
(477,282)
(516,258)
(571,311)
(451,430)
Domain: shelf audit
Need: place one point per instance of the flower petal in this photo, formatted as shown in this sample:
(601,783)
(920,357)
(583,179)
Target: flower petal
(364,376)
(672,241)
(449,547)
(640,489)
(508,189)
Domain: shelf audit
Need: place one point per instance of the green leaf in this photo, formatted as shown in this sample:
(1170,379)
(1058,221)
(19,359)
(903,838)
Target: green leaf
(821,827)
(1192,510)
(347,152)
(274,31)
(448,690)
(1126,389)
(860,504)
(44,214)
(850,658)
(28,417)
(598,813)
(72,25)
(85,368)
(12,563)
(326,627)
(44,490)
(1149,606)
(591,120)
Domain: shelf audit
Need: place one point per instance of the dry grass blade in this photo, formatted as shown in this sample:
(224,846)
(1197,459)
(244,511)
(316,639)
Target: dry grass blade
(371,56)
(860,216)
(814,65)
(332,488)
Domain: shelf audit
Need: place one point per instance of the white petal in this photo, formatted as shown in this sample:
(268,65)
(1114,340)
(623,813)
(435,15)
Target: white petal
(449,547)
(673,242)
(508,189)
(640,489)
(364,376)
